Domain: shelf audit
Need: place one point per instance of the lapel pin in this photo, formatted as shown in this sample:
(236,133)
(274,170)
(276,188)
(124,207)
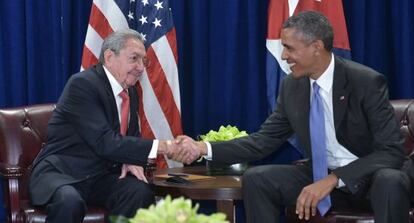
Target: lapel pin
(342,98)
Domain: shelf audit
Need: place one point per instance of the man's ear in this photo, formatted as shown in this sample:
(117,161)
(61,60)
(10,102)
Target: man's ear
(319,46)
(108,54)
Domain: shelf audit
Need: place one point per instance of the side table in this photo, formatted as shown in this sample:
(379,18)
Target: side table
(225,190)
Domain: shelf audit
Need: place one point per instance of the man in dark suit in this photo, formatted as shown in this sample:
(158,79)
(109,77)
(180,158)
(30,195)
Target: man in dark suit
(92,155)
(355,128)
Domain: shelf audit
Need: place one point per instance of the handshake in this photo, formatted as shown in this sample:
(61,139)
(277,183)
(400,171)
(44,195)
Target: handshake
(182,149)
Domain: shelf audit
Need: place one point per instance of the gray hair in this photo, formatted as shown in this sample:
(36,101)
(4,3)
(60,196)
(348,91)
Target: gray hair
(116,41)
(311,26)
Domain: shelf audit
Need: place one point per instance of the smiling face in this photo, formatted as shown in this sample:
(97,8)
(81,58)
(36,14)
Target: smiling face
(302,56)
(128,66)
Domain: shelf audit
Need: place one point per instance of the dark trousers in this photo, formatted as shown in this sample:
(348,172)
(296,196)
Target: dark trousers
(267,188)
(122,197)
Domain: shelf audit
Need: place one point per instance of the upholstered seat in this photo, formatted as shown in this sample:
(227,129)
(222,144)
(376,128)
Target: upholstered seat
(404,111)
(22,135)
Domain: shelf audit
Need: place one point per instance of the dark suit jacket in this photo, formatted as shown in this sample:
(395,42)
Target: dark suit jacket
(364,123)
(83,136)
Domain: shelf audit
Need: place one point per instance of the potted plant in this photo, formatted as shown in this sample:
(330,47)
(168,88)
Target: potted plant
(224,134)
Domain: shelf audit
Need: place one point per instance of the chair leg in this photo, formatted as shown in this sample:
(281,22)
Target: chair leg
(13,203)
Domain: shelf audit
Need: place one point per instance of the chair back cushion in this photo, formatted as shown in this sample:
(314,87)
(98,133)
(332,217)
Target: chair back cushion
(404,112)
(23,132)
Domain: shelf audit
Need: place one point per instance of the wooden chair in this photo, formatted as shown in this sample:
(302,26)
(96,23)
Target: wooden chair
(22,135)
(404,111)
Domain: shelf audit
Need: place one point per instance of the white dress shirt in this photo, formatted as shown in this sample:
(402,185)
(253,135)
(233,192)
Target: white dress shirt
(337,155)
(116,89)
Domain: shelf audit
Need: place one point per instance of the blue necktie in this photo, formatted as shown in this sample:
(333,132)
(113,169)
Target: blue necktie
(317,134)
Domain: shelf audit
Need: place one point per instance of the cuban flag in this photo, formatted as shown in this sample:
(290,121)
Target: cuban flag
(159,90)
(278,12)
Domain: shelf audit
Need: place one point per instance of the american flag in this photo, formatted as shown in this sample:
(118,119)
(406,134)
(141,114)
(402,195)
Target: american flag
(159,94)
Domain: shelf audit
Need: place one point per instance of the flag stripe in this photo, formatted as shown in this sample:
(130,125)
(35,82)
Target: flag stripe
(155,116)
(275,47)
(333,10)
(146,131)
(165,56)
(113,14)
(173,43)
(292,6)
(277,13)
(99,22)
(93,41)
(163,92)
(88,58)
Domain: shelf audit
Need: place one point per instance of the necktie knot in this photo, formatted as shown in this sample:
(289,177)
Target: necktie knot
(316,88)
(124,95)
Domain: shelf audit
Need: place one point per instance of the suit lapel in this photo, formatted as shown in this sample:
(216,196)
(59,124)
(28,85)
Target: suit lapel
(303,102)
(340,92)
(109,96)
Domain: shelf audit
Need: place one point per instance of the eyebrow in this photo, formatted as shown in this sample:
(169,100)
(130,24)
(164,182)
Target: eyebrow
(136,54)
(133,54)
(286,46)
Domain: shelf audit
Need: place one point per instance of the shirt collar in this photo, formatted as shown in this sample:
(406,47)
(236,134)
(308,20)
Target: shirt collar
(325,81)
(116,87)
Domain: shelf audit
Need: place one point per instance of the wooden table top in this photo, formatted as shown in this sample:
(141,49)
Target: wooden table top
(218,188)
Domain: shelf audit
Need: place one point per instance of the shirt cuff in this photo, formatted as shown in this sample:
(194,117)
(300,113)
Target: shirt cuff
(209,155)
(340,183)
(154,150)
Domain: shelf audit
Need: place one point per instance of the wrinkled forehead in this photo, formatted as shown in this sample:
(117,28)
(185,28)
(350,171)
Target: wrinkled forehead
(133,45)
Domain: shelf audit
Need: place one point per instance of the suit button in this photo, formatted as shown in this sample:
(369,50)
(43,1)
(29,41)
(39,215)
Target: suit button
(88,176)
(114,165)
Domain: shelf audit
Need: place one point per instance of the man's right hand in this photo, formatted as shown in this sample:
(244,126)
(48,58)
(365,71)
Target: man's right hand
(311,195)
(184,149)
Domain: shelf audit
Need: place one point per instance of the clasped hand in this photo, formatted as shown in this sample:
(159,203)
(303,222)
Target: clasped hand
(183,149)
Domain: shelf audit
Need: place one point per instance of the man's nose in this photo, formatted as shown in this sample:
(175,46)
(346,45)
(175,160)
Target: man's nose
(140,66)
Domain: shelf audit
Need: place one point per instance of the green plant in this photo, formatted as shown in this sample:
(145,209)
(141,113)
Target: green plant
(177,210)
(223,134)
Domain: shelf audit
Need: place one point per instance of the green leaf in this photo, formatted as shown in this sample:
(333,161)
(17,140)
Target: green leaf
(179,210)
(223,134)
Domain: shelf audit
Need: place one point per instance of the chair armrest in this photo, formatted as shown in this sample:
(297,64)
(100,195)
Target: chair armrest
(10,171)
